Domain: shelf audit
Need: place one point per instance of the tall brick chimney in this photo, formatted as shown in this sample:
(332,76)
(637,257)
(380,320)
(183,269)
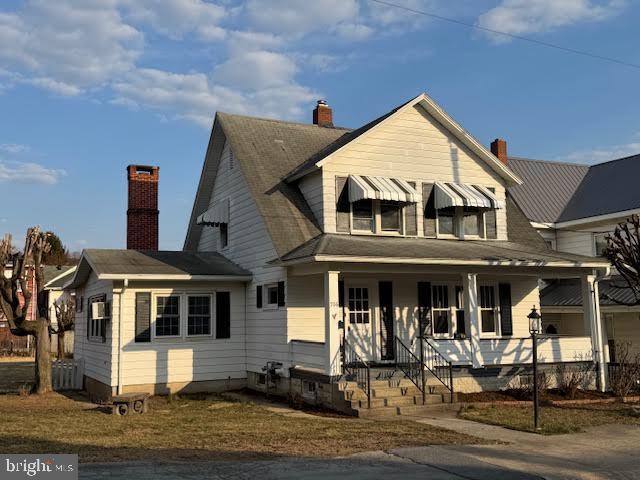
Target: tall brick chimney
(499,149)
(142,211)
(322,114)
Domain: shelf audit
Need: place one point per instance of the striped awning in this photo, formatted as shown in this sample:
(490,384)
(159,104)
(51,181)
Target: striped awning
(217,214)
(464,195)
(381,188)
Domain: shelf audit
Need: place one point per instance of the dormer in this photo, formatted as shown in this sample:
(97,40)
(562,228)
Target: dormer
(412,172)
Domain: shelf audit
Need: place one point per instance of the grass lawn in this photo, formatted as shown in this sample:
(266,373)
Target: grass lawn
(208,428)
(553,419)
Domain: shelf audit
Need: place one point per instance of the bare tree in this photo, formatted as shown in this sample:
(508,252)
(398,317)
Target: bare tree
(623,251)
(17,293)
(65,316)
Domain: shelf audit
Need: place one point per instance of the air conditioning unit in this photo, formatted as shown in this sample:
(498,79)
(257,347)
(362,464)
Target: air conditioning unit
(99,310)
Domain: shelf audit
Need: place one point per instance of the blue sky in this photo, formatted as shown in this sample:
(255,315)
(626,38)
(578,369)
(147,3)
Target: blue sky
(89,86)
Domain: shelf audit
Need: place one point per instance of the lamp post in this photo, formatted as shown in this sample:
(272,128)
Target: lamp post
(535,326)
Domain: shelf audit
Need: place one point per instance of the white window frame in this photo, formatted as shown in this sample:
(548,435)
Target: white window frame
(458,226)
(212,317)
(595,237)
(496,311)
(377,212)
(447,310)
(180,315)
(95,334)
(356,231)
(362,311)
(266,304)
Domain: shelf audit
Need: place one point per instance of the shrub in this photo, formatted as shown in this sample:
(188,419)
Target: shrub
(624,376)
(571,378)
(522,388)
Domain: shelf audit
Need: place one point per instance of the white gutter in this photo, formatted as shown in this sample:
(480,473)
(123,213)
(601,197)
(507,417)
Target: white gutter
(597,218)
(180,276)
(444,261)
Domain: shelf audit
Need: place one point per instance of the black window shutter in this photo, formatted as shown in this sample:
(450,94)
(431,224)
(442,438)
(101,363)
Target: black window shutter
(223,315)
(258,296)
(411,227)
(424,307)
(281,299)
(428,204)
(341,293)
(143,317)
(343,207)
(491,221)
(506,321)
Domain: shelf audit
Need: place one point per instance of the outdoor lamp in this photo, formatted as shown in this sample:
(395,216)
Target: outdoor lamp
(535,321)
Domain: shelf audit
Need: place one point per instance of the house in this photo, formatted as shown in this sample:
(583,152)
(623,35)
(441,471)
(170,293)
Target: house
(55,278)
(320,259)
(574,207)
(11,344)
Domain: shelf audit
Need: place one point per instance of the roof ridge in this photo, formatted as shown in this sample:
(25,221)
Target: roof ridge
(616,160)
(287,122)
(556,162)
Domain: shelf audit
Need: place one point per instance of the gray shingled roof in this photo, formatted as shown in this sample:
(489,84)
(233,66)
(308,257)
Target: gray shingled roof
(547,188)
(524,245)
(568,293)
(608,187)
(135,262)
(55,278)
(267,150)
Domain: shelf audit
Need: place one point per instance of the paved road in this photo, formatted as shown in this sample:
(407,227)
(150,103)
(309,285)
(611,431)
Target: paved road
(611,451)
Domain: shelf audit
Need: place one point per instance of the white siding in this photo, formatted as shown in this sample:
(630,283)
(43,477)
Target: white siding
(412,145)
(580,240)
(99,357)
(250,247)
(182,359)
(311,188)
(306,308)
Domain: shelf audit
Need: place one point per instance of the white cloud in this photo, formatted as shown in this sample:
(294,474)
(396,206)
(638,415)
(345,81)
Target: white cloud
(521,17)
(14,148)
(28,172)
(354,31)
(256,70)
(175,18)
(300,16)
(196,97)
(244,41)
(602,154)
(69,44)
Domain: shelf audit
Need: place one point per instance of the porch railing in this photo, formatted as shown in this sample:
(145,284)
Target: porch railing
(439,366)
(411,366)
(356,368)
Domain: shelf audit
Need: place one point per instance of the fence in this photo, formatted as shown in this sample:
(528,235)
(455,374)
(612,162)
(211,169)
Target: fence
(67,374)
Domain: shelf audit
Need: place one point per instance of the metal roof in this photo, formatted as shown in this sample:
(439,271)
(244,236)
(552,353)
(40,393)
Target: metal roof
(548,187)
(568,293)
(608,187)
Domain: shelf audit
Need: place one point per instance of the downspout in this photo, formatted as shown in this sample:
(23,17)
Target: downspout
(120,310)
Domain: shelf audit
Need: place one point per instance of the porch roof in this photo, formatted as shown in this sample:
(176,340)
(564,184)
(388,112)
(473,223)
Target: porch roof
(568,293)
(378,249)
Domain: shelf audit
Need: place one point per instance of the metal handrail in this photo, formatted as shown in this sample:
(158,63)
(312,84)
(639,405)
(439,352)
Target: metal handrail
(439,366)
(411,366)
(356,367)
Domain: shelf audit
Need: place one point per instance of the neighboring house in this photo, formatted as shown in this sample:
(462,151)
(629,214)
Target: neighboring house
(574,207)
(55,278)
(11,344)
(325,250)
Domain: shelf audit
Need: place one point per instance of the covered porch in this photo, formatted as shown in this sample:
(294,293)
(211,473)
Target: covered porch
(441,316)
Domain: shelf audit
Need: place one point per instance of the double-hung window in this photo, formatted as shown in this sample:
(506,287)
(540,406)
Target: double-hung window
(362,215)
(440,299)
(390,217)
(488,311)
(199,315)
(447,224)
(358,305)
(168,316)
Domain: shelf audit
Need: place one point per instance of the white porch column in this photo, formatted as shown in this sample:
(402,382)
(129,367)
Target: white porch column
(472,308)
(332,317)
(591,309)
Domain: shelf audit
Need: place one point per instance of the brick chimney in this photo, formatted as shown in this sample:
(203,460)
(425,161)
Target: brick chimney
(499,149)
(322,114)
(142,211)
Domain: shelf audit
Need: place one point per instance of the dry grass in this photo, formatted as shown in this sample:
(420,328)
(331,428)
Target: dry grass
(553,420)
(196,429)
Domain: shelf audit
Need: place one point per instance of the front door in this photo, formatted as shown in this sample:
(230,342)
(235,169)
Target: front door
(359,320)
(387,336)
